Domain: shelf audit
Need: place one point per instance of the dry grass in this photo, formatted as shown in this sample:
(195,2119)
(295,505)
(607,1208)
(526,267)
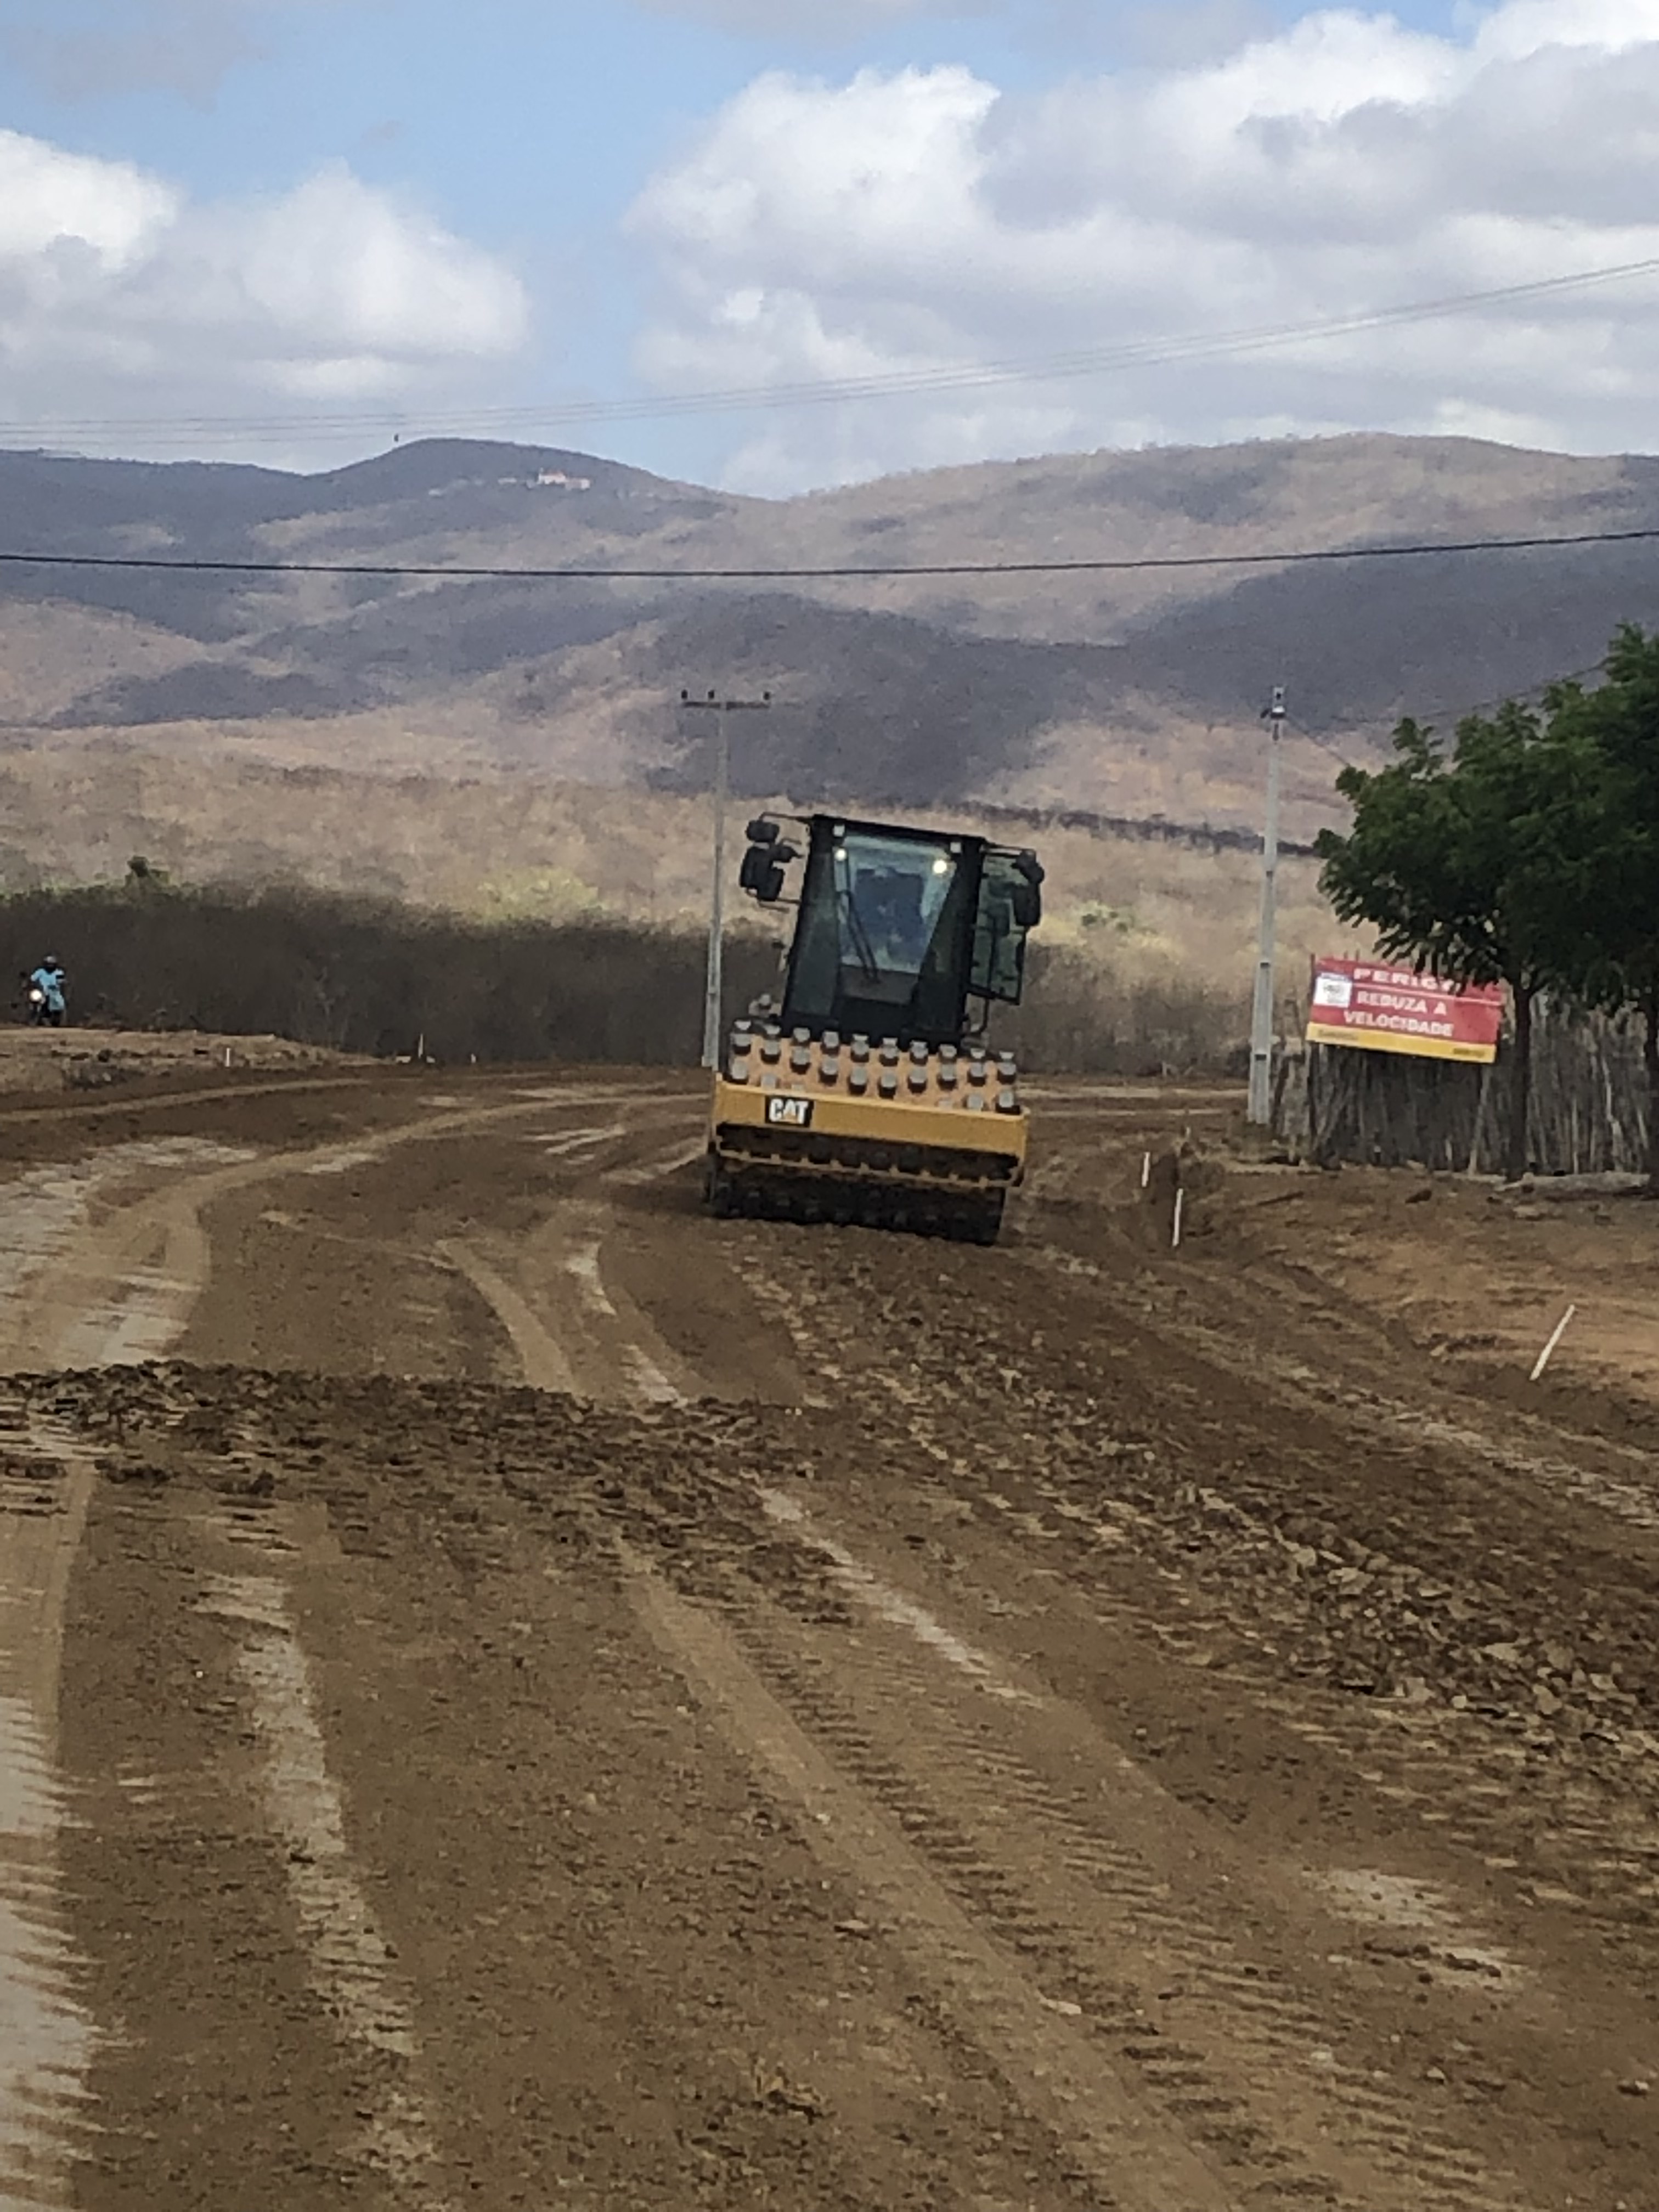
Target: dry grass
(577,685)
(365,975)
(1147,948)
(510,847)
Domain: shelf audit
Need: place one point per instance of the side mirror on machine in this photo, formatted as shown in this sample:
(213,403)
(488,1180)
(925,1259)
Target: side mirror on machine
(1027,893)
(760,875)
(763,864)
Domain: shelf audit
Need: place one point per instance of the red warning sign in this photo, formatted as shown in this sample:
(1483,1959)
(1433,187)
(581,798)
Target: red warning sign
(1358,1002)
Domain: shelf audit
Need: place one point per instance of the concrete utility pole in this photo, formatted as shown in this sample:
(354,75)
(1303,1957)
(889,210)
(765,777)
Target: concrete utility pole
(1259,1111)
(723,709)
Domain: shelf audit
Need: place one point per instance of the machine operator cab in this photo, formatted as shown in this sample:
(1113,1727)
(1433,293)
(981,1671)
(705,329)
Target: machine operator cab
(900,932)
(870,1094)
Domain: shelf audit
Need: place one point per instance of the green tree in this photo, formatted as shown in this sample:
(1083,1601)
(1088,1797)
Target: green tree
(1479,865)
(1616,963)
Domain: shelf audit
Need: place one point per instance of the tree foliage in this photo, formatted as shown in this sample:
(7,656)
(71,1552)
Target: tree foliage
(1493,863)
(1617,963)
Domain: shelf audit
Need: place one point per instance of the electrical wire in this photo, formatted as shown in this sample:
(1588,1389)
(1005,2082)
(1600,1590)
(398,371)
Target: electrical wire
(1129,565)
(1374,729)
(1322,740)
(892,384)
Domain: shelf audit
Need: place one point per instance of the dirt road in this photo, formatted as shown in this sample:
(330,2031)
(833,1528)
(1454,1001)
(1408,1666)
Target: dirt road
(515,1693)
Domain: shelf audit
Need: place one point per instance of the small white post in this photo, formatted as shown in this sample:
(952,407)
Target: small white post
(1180,1208)
(420,1050)
(1547,1353)
(1146,1171)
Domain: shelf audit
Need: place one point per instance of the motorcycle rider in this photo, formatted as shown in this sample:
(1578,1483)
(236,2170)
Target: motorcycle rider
(51,982)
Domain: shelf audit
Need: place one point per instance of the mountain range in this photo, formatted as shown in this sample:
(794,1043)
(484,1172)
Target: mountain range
(1134,691)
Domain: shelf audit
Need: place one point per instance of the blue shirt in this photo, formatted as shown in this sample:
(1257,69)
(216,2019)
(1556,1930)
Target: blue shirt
(50,980)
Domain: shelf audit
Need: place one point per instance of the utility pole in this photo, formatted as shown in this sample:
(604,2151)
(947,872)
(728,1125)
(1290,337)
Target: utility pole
(723,709)
(1259,1111)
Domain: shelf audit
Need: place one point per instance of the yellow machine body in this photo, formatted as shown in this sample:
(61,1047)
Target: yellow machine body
(922,1138)
(869,1094)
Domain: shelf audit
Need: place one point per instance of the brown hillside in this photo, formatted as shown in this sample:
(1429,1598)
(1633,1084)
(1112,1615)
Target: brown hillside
(1133,694)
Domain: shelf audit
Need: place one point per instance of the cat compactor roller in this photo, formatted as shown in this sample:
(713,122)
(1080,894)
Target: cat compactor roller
(869,1094)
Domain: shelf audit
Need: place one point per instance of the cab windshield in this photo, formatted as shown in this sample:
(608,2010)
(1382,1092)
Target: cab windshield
(890,896)
(885,935)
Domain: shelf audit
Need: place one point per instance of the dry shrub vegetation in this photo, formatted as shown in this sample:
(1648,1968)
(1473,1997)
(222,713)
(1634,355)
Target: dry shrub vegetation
(514,919)
(371,976)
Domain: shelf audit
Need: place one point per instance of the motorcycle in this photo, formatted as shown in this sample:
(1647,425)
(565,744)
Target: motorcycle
(42,1014)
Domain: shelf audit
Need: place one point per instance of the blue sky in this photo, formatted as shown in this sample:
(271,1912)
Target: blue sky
(580,156)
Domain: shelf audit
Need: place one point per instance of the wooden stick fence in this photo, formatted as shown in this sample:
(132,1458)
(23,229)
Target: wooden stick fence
(1588,1111)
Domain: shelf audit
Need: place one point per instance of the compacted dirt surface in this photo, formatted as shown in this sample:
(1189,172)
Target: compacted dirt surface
(514,1692)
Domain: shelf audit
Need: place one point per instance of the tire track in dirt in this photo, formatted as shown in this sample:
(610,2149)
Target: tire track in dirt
(1467,1780)
(962,1910)
(1389,2156)
(63,1273)
(121,1291)
(47,2043)
(57,1111)
(571,1328)
(1059,2077)
(1630,1497)
(1448,1768)
(1212,2031)
(77,1290)
(545,1362)
(351,1967)
(1058,2074)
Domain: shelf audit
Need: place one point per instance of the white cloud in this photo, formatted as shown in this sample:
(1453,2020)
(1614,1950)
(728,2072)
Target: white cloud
(121,300)
(926,218)
(83,48)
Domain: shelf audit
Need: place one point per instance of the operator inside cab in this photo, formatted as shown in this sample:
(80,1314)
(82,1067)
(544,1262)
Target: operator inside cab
(891,902)
(884,934)
(897,929)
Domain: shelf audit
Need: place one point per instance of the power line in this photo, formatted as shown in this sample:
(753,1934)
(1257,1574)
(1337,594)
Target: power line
(1132,565)
(1373,728)
(1322,740)
(892,384)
